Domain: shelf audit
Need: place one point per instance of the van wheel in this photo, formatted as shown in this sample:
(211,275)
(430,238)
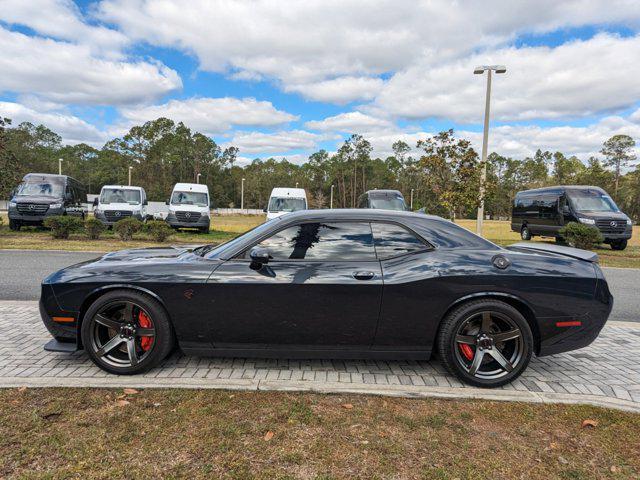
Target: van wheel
(525,233)
(14,225)
(618,244)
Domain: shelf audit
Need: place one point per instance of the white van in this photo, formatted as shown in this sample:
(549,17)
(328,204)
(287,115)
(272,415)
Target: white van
(189,207)
(120,201)
(285,200)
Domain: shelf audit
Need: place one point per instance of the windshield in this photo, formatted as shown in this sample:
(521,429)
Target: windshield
(388,203)
(592,201)
(120,195)
(190,198)
(216,250)
(286,204)
(44,187)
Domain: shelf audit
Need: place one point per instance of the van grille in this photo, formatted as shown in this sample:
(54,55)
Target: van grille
(115,215)
(188,216)
(32,208)
(612,225)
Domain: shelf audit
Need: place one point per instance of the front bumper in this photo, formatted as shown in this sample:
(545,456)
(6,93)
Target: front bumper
(33,218)
(65,332)
(102,217)
(203,221)
(626,235)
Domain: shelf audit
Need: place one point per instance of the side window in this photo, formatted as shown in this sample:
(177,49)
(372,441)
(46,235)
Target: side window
(392,240)
(322,241)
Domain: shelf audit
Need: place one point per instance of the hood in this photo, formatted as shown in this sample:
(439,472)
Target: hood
(147,254)
(602,215)
(36,199)
(118,206)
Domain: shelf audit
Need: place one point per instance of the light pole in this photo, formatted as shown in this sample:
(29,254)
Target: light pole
(485,137)
(198,178)
(242,194)
(59,166)
(130,168)
(296,184)
(331,198)
(411,203)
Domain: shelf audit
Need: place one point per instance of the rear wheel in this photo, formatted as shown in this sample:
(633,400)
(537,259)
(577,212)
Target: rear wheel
(14,225)
(486,343)
(126,332)
(619,244)
(525,233)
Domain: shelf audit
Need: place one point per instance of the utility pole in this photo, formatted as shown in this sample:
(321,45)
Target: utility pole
(485,138)
(130,168)
(59,166)
(331,198)
(198,178)
(242,195)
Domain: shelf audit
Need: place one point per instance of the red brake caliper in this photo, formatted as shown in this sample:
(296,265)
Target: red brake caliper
(466,350)
(145,322)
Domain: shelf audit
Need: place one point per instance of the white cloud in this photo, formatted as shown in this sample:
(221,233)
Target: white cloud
(71,128)
(68,73)
(576,79)
(303,45)
(212,115)
(278,142)
(340,90)
(350,122)
(63,20)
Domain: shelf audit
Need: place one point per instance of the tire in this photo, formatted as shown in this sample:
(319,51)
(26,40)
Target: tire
(619,244)
(560,240)
(204,229)
(108,313)
(14,225)
(503,319)
(525,233)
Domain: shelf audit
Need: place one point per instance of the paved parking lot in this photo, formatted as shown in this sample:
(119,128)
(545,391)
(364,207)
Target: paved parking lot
(606,373)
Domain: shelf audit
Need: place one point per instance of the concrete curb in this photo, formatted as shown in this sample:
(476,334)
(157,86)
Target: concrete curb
(324,388)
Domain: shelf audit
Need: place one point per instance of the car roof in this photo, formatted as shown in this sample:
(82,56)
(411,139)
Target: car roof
(192,187)
(288,192)
(123,187)
(358,213)
(559,188)
(383,192)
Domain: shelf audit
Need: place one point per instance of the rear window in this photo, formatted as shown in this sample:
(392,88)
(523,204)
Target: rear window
(392,240)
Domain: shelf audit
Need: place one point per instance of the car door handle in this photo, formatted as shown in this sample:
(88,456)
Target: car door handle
(363,275)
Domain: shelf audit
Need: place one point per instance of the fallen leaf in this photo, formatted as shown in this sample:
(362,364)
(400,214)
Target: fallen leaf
(553,446)
(563,460)
(589,423)
(268,436)
(122,403)
(22,389)
(130,391)
(157,404)
(613,469)
(51,416)
(347,406)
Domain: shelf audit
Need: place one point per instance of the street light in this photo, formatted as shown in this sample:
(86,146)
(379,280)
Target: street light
(59,166)
(198,178)
(130,168)
(331,198)
(485,136)
(242,195)
(411,203)
(296,184)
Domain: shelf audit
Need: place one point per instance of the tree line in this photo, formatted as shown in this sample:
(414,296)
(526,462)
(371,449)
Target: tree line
(443,171)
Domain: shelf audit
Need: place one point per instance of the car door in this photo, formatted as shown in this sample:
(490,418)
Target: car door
(321,289)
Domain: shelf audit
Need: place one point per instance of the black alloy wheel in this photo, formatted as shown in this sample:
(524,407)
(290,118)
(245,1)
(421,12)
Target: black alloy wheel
(525,233)
(125,332)
(486,343)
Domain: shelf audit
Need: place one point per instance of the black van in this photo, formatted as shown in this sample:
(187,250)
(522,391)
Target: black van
(382,199)
(544,211)
(41,195)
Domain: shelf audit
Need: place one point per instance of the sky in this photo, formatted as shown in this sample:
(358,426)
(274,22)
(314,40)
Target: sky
(284,79)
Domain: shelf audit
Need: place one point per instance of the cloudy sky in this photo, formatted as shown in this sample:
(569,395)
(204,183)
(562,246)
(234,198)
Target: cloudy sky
(280,78)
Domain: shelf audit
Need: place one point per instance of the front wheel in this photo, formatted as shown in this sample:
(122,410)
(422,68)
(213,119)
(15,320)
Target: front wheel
(619,244)
(485,343)
(14,225)
(126,332)
(525,233)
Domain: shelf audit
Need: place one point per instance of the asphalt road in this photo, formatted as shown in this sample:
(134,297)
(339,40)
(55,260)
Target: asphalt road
(21,272)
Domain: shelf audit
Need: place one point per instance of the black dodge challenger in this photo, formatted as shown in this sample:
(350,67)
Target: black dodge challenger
(334,284)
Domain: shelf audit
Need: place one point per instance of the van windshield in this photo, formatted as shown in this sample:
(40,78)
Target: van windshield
(44,187)
(190,198)
(286,204)
(120,195)
(592,201)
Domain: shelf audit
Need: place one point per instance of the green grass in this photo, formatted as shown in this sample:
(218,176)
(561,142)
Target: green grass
(85,433)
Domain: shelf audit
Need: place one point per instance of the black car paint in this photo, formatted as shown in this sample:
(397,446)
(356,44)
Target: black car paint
(222,305)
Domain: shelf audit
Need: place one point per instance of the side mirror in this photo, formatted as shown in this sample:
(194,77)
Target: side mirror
(264,209)
(565,210)
(95,202)
(145,202)
(211,206)
(259,256)
(166,202)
